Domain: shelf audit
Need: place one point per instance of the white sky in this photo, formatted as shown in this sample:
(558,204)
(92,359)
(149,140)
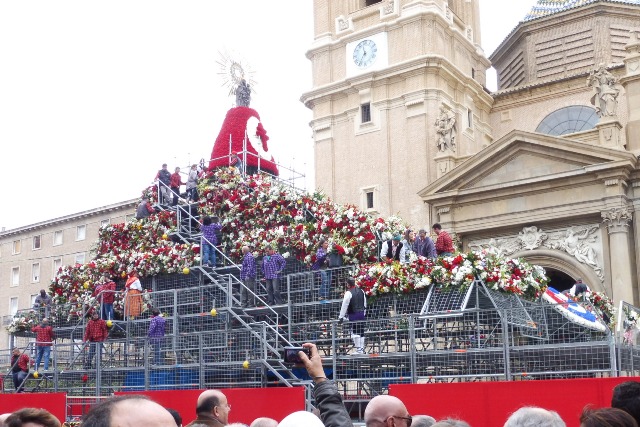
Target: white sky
(96,95)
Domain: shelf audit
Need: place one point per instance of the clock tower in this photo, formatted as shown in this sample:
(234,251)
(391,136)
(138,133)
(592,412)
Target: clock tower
(398,99)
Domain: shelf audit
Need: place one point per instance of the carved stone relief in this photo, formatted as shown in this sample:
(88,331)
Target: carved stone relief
(582,243)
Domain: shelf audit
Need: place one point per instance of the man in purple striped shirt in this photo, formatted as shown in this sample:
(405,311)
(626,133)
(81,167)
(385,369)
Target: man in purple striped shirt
(156,334)
(272,266)
(248,276)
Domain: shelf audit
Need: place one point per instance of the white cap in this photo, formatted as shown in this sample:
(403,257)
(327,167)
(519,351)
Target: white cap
(301,419)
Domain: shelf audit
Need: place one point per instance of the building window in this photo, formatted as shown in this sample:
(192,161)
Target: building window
(15,276)
(16,247)
(37,241)
(369,199)
(576,118)
(57,238)
(365,113)
(57,263)
(13,306)
(473,73)
(371,2)
(80,258)
(81,232)
(35,272)
(33,299)
(469,118)
(105,222)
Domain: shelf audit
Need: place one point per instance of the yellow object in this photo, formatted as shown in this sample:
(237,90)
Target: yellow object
(86,284)
(186,270)
(165,237)
(214,312)
(109,323)
(124,274)
(36,374)
(245,364)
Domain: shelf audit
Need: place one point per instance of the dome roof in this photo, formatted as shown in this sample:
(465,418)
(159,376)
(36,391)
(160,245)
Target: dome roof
(549,7)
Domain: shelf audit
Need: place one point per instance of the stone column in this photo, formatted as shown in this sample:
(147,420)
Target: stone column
(617,221)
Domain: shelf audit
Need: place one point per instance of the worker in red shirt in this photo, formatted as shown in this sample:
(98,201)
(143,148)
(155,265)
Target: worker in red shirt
(444,244)
(106,295)
(19,368)
(44,342)
(95,334)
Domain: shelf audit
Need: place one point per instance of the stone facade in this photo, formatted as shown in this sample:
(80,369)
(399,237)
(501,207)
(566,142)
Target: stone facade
(30,255)
(565,198)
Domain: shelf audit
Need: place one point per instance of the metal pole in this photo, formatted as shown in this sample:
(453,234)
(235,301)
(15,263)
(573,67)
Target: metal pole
(412,350)
(506,353)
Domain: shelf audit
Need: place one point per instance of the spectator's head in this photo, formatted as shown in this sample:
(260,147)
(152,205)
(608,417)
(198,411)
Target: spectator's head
(626,396)
(43,293)
(95,315)
(206,220)
(437,228)
(264,422)
(176,416)
(194,167)
(177,170)
(155,312)
(31,417)
(164,166)
(44,321)
(422,233)
(531,416)
(323,243)
(422,421)
(451,422)
(351,282)
(213,403)
(606,417)
(385,410)
(245,249)
(396,239)
(271,250)
(409,235)
(128,410)
(301,418)
(16,351)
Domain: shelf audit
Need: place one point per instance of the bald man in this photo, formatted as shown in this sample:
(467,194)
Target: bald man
(128,411)
(212,409)
(386,411)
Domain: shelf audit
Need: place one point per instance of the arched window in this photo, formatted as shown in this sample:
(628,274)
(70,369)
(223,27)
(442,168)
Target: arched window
(566,120)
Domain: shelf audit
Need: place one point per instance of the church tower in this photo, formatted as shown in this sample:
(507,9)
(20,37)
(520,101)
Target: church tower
(398,99)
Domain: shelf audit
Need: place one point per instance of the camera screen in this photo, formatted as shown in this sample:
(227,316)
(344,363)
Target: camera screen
(291,354)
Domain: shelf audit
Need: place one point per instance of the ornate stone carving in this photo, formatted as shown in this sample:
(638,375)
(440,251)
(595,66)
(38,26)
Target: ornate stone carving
(388,8)
(617,219)
(605,92)
(446,130)
(579,242)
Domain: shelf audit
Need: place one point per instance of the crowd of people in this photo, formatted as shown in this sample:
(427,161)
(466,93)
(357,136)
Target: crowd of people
(212,408)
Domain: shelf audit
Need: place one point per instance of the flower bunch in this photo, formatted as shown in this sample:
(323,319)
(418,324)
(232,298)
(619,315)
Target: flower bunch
(604,305)
(24,321)
(506,275)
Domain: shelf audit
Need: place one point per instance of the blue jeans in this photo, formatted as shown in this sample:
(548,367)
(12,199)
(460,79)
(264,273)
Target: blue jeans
(107,311)
(40,352)
(18,378)
(208,254)
(92,352)
(156,345)
(325,283)
(273,291)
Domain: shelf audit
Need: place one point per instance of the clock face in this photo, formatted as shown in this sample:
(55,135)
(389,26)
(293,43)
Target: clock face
(365,53)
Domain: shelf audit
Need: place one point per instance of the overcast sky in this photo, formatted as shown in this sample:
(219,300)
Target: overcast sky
(96,95)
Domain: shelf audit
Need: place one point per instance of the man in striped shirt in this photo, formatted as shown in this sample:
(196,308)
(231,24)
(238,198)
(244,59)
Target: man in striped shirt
(248,276)
(272,266)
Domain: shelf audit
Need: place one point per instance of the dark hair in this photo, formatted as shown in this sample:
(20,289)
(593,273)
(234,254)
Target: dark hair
(351,281)
(606,417)
(155,312)
(437,226)
(100,415)
(176,416)
(626,396)
(207,405)
(206,220)
(32,415)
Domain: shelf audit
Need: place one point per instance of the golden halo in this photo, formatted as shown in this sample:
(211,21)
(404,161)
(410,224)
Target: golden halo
(233,71)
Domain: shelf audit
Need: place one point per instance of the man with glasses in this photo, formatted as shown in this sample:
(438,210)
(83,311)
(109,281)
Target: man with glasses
(387,411)
(212,409)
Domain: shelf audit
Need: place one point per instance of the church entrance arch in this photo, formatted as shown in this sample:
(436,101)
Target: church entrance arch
(562,269)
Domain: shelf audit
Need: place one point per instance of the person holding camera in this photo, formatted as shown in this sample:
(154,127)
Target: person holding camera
(328,399)
(354,309)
